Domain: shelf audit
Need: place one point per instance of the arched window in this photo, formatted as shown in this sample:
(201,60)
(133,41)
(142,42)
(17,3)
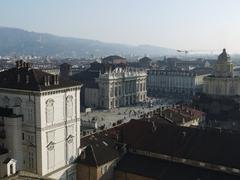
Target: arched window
(5,101)
(50,110)
(69,106)
(17,101)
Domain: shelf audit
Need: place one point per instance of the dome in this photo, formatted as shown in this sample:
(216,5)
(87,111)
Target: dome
(223,57)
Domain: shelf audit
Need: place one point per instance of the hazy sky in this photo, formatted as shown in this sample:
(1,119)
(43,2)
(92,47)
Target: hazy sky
(182,24)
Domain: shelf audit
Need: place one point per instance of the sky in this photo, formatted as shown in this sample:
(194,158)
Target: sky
(196,25)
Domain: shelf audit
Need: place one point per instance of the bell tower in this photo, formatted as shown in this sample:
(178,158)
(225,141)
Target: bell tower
(224,66)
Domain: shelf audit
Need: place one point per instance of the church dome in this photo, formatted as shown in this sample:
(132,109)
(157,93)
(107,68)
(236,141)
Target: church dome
(223,57)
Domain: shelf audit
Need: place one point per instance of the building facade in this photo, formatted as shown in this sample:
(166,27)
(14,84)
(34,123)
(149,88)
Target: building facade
(41,117)
(117,88)
(160,82)
(222,82)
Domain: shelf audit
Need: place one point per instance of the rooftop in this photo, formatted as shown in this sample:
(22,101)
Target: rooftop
(162,169)
(218,147)
(100,149)
(182,113)
(23,77)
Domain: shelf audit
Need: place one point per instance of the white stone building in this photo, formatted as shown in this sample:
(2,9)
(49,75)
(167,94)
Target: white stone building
(40,116)
(117,88)
(174,82)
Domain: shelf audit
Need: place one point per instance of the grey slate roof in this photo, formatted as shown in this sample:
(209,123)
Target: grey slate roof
(219,147)
(100,148)
(9,79)
(162,169)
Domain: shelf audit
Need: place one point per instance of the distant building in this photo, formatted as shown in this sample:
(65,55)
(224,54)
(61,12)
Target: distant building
(184,116)
(114,60)
(162,82)
(222,82)
(40,122)
(65,70)
(221,111)
(99,157)
(180,115)
(111,86)
(179,64)
(144,62)
(122,87)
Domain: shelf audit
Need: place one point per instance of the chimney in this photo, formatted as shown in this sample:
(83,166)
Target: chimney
(161,114)
(20,63)
(53,80)
(45,81)
(28,65)
(24,64)
(48,80)
(17,64)
(57,79)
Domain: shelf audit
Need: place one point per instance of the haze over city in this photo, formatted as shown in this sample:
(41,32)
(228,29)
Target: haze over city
(196,25)
(119,89)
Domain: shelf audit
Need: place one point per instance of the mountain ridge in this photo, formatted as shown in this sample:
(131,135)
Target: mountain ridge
(15,41)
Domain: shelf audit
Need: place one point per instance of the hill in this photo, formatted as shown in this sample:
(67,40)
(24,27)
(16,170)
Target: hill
(15,41)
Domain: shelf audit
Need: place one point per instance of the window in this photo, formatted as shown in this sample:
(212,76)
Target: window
(144,86)
(30,139)
(116,91)
(11,168)
(50,149)
(30,114)
(18,105)
(69,106)
(17,101)
(50,111)
(141,88)
(50,136)
(30,160)
(23,136)
(111,91)
(103,92)
(51,159)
